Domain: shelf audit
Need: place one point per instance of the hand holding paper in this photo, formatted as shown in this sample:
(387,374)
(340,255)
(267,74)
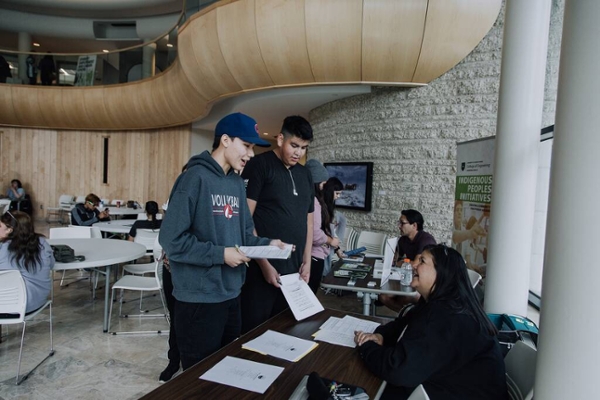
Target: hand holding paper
(300,298)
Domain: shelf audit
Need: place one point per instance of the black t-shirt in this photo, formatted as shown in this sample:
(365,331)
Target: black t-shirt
(144,225)
(284,199)
(411,248)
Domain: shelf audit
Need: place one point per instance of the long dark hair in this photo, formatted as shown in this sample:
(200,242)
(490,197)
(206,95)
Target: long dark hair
(24,246)
(453,287)
(151,210)
(327,202)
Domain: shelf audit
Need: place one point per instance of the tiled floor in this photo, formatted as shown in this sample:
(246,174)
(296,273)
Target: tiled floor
(89,364)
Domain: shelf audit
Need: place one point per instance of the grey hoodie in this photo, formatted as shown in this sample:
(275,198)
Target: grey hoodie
(207,212)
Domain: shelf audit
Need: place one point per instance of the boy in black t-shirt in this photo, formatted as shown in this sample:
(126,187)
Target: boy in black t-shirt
(280,195)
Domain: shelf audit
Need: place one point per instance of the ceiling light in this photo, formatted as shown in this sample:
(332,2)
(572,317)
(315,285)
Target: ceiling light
(36,45)
(265,133)
(169,45)
(105,51)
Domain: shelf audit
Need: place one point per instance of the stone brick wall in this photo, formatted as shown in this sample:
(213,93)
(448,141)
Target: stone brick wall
(411,134)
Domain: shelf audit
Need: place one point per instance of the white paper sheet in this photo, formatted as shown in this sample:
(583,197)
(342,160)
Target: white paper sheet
(300,298)
(272,252)
(341,331)
(280,345)
(243,374)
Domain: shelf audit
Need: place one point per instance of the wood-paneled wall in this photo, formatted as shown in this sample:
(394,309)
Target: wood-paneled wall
(142,165)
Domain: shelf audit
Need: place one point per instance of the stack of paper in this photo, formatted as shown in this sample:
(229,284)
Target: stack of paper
(272,252)
(340,331)
(280,345)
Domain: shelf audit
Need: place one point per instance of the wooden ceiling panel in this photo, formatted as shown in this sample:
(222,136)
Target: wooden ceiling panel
(238,41)
(333,37)
(392,36)
(452,30)
(282,39)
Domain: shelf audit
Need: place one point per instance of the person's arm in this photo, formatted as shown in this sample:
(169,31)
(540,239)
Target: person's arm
(319,236)
(82,220)
(179,242)
(269,272)
(306,260)
(425,347)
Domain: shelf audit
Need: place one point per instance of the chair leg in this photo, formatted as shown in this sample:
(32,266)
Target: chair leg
(20,353)
(112,298)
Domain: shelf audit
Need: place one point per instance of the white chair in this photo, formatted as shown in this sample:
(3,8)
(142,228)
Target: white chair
(147,237)
(520,371)
(143,284)
(65,202)
(80,199)
(419,394)
(373,241)
(350,238)
(13,300)
(474,277)
(144,268)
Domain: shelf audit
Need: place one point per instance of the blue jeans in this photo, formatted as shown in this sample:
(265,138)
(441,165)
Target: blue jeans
(203,328)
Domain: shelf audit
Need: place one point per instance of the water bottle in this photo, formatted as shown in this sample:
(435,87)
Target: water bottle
(406,273)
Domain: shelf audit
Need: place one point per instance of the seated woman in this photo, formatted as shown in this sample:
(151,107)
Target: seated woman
(15,190)
(86,213)
(24,250)
(152,223)
(446,342)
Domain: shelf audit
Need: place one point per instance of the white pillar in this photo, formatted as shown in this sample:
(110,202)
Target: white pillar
(523,72)
(148,60)
(567,366)
(24,46)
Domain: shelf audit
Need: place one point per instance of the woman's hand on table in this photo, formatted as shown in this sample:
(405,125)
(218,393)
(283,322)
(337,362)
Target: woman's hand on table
(361,338)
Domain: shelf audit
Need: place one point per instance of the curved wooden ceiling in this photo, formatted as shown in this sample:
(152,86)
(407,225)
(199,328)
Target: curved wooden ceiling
(241,46)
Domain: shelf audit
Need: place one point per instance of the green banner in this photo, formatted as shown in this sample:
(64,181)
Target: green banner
(474,188)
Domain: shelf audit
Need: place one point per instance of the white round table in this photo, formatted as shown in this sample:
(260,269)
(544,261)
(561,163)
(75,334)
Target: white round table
(115,226)
(118,211)
(100,253)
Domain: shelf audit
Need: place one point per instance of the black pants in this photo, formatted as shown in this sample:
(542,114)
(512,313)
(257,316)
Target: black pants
(173,353)
(203,328)
(316,273)
(260,300)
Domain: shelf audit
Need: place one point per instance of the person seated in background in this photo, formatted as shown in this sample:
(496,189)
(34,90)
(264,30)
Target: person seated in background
(24,250)
(15,190)
(446,342)
(87,214)
(151,223)
(412,241)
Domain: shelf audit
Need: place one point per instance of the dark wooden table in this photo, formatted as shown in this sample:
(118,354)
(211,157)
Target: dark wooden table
(391,287)
(330,361)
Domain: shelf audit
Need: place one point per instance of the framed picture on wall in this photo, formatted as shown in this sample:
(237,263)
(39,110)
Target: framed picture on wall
(357,178)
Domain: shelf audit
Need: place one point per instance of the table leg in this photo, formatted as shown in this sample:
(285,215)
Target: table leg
(366,298)
(106,298)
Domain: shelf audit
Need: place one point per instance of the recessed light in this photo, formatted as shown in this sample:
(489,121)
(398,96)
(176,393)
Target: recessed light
(266,133)
(36,45)
(169,45)
(105,51)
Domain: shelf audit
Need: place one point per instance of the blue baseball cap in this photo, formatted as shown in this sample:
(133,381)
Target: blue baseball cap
(241,126)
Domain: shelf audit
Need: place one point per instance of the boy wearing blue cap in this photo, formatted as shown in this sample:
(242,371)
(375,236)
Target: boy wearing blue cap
(208,217)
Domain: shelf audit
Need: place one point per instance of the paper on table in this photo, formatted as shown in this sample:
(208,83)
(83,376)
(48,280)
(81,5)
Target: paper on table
(272,252)
(300,298)
(341,331)
(279,345)
(243,374)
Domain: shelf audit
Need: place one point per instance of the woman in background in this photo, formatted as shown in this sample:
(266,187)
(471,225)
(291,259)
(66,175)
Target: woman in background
(151,223)
(323,239)
(15,190)
(24,250)
(331,192)
(446,342)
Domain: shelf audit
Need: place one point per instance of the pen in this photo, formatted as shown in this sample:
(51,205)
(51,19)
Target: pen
(239,251)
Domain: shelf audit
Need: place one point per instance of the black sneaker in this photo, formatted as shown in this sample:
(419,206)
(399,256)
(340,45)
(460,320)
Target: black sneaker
(168,373)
